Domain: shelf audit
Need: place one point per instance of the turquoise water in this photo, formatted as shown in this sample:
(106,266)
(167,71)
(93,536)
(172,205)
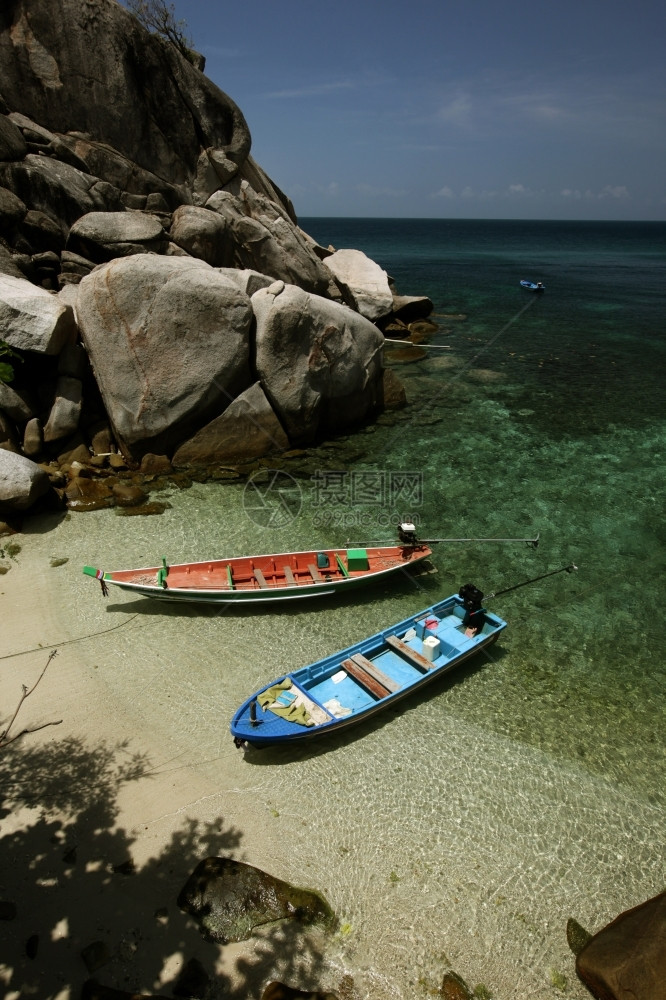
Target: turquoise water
(465,827)
(549,420)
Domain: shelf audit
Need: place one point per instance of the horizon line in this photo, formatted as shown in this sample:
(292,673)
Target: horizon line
(475,218)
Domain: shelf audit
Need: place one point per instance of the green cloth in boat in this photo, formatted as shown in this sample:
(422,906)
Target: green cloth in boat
(295,712)
(271,693)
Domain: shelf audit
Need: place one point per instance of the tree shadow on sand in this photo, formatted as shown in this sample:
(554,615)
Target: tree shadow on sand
(82,907)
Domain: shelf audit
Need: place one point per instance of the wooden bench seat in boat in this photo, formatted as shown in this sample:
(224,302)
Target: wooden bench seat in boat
(315,574)
(260,578)
(388,682)
(409,654)
(367,681)
(289,576)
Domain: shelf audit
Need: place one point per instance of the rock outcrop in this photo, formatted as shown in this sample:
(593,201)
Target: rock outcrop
(31,319)
(153,279)
(248,428)
(21,482)
(367,282)
(626,960)
(319,362)
(228,898)
(168,340)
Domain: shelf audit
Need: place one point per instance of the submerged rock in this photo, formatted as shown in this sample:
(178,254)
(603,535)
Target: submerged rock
(455,988)
(228,899)
(577,936)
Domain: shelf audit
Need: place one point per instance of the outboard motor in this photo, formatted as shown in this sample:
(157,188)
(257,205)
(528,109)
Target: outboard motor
(471,597)
(475,616)
(407,533)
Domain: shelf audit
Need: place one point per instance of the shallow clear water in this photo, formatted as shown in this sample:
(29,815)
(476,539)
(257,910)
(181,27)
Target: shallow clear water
(466,826)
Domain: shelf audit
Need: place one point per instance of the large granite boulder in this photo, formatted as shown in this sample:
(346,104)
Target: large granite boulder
(65,412)
(58,189)
(409,308)
(366,280)
(121,174)
(32,319)
(247,429)
(266,239)
(202,234)
(8,437)
(12,209)
(101,236)
(248,280)
(12,144)
(626,960)
(168,340)
(228,899)
(17,404)
(21,482)
(320,363)
(8,263)
(89,66)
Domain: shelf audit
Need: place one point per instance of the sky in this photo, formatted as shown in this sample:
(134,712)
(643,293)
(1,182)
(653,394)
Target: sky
(448,108)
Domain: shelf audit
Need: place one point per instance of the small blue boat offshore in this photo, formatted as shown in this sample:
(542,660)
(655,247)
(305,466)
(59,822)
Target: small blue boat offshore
(533,286)
(354,684)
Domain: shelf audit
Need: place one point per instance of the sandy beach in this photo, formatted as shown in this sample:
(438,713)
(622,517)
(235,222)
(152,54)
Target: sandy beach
(105,789)
(471,856)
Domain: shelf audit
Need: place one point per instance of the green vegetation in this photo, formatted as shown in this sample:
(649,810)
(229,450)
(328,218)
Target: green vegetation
(10,549)
(7,370)
(558,980)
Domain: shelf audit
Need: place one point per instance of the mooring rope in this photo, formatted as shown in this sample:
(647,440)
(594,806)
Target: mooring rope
(67,642)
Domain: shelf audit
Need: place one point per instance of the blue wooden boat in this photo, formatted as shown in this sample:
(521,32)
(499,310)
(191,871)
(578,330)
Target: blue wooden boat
(356,683)
(533,286)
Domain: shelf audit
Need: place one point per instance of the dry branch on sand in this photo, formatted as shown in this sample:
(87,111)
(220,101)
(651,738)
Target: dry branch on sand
(5,738)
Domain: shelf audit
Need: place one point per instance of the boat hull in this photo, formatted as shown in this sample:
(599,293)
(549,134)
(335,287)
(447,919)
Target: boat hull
(266,579)
(364,679)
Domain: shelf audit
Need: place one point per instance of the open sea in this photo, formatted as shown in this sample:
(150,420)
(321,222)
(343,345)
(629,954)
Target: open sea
(464,828)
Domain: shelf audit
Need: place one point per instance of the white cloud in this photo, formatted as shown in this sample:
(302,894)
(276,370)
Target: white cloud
(314,90)
(444,192)
(456,111)
(614,191)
